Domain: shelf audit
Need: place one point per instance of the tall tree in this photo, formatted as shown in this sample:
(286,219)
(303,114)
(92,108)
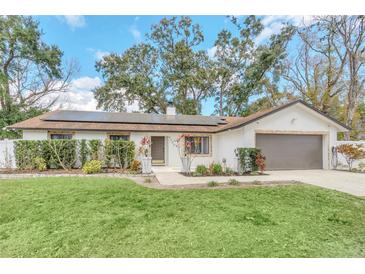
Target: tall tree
(133,76)
(351,33)
(329,69)
(186,71)
(316,71)
(29,68)
(242,66)
(167,67)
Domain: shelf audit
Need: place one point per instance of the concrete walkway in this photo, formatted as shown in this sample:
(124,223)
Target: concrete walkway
(352,183)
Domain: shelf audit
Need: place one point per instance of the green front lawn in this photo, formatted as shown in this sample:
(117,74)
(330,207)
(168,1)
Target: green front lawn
(99,217)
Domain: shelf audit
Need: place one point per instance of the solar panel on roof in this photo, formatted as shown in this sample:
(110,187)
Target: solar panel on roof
(132,118)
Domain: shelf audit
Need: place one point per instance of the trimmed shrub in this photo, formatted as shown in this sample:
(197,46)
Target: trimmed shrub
(84,152)
(63,153)
(233,182)
(119,153)
(91,167)
(39,163)
(201,170)
(229,171)
(25,152)
(217,169)
(212,184)
(247,158)
(94,149)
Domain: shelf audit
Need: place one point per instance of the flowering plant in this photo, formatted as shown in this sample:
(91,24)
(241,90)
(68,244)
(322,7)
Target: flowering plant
(145,146)
(184,146)
(260,162)
(351,153)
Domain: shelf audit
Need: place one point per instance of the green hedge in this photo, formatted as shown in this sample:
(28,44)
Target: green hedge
(247,158)
(56,153)
(118,153)
(69,154)
(84,152)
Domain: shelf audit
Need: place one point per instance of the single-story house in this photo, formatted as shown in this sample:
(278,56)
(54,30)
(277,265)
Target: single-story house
(291,136)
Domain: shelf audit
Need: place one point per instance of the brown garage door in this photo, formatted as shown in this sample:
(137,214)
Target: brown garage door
(285,151)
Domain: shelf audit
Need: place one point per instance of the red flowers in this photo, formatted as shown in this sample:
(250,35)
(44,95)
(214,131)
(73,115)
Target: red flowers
(146,141)
(145,146)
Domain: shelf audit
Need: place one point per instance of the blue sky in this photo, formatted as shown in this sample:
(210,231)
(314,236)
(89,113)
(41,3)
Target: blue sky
(87,38)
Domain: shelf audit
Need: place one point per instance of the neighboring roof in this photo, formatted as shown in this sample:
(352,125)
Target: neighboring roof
(79,120)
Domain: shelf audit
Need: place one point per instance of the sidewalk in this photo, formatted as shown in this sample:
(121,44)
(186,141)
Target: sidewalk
(352,183)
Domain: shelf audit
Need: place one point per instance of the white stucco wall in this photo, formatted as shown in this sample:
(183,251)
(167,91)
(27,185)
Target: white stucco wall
(43,135)
(90,135)
(227,142)
(35,134)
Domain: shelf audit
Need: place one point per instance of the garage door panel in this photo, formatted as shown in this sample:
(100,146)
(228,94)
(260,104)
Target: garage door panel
(284,151)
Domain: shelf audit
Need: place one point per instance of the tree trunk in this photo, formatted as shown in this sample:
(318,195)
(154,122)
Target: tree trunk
(353,94)
(350,111)
(221,102)
(5,96)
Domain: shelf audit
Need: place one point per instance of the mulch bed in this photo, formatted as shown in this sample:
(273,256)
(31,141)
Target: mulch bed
(223,175)
(352,171)
(155,184)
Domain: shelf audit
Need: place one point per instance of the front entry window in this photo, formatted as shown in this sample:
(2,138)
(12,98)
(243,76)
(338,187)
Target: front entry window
(199,144)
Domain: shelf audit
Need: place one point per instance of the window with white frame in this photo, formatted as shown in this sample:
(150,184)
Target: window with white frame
(198,144)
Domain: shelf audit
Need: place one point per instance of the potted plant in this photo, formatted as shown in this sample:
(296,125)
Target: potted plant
(145,154)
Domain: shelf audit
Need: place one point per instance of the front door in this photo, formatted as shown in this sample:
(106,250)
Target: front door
(158,150)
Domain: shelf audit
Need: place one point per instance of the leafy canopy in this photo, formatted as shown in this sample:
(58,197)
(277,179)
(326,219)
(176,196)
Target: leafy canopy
(243,68)
(168,67)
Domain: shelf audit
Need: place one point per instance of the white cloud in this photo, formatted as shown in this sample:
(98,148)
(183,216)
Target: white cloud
(86,83)
(272,28)
(273,24)
(98,54)
(211,51)
(81,96)
(133,29)
(135,33)
(75,21)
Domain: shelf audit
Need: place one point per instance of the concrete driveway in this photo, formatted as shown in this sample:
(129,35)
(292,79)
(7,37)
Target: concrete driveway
(352,183)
